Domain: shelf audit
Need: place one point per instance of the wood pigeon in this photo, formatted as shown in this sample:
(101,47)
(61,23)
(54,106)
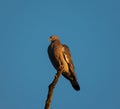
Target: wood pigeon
(60,57)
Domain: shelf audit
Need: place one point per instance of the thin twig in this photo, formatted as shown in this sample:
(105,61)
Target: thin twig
(51,89)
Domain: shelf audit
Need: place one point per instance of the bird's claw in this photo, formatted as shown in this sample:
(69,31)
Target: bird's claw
(60,68)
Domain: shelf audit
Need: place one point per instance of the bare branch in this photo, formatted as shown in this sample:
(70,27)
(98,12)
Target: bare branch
(51,89)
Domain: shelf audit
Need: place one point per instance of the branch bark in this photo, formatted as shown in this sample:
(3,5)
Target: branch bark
(51,89)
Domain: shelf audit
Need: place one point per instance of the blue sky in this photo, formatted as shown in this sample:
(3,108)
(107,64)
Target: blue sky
(90,28)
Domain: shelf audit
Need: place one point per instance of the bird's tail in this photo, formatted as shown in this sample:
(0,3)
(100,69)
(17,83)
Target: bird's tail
(75,84)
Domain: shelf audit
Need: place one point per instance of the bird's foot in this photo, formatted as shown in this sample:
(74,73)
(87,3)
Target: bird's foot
(60,68)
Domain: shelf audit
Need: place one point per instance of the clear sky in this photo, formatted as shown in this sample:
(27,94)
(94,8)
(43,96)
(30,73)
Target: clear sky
(91,29)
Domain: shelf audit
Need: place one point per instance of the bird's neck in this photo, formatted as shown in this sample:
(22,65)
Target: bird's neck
(56,42)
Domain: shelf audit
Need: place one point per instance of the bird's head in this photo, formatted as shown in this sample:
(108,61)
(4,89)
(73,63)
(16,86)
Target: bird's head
(53,38)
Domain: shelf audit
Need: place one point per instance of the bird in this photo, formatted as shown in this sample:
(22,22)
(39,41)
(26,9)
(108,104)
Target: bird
(60,57)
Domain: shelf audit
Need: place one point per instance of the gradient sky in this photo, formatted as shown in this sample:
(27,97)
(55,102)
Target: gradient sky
(91,29)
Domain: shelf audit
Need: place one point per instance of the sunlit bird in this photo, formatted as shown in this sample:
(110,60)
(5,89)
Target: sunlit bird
(60,57)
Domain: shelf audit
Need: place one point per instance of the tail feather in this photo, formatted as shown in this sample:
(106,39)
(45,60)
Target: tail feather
(75,84)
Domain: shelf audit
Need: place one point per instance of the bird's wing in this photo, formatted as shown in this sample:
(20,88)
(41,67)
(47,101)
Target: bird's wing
(68,58)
